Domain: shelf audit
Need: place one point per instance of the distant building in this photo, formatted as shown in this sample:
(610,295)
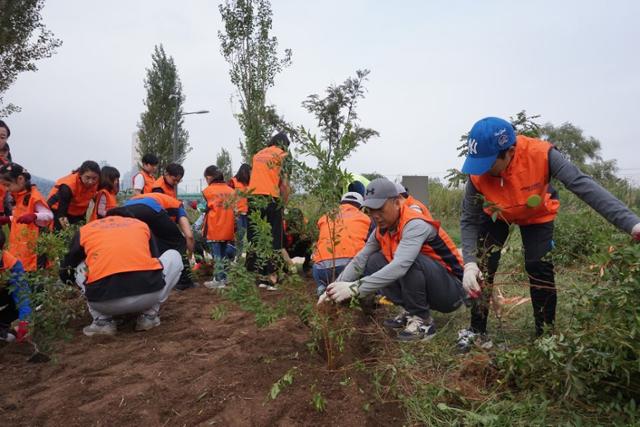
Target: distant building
(135,157)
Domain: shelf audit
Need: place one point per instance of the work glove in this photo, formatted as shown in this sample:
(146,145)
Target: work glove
(5,220)
(635,232)
(27,218)
(471,278)
(323,297)
(22,330)
(340,291)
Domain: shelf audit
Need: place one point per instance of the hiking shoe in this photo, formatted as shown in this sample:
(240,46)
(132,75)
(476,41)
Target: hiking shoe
(100,327)
(467,338)
(215,284)
(146,322)
(183,286)
(417,330)
(400,321)
(6,334)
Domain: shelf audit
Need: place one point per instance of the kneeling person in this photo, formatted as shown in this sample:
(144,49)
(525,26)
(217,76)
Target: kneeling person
(409,258)
(114,261)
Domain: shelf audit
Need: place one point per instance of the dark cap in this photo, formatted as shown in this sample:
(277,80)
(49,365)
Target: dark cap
(379,191)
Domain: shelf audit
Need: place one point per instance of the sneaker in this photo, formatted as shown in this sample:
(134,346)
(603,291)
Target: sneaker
(146,322)
(417,330)
(6,334)
(100,327)
(263,286)
(272,288)
(400,321)
(182,286)
(467,338)
(215,284)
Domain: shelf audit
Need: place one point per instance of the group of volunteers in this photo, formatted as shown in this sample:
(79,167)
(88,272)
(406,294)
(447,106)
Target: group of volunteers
(409,258)
(129,256)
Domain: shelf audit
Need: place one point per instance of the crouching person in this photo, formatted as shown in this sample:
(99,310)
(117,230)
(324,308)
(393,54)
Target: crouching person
(114,261)
(409,258)
(14,297)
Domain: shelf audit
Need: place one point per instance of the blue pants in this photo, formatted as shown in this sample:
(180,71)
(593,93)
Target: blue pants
(242,222)
(324,276)
(222,253)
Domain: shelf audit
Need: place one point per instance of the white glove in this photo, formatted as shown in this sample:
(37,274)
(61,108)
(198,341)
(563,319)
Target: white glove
(635,231)
(324,297)
(340,291)
(470,279)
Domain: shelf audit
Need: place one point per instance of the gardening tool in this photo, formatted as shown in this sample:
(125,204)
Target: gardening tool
(37,356)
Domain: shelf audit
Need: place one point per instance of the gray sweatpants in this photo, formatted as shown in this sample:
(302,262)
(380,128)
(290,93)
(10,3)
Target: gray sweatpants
(427,285)
(146,303)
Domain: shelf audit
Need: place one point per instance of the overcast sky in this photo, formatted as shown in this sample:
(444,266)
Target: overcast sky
(436,68)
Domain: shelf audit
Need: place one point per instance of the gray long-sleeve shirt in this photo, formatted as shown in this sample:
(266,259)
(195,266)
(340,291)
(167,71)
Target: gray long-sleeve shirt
(414,234)
(583,186)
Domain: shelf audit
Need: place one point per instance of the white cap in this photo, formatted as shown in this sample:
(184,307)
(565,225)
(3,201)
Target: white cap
(352,196)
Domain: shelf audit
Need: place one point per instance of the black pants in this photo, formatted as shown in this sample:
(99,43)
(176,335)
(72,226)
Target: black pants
(537,241)
(427,285)
(163,228)
(8,309)
(272,214)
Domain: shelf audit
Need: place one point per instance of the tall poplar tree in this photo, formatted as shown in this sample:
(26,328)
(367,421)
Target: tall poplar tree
(252,54)
(164,100)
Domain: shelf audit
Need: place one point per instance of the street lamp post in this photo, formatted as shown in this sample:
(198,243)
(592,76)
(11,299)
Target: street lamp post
(175,124)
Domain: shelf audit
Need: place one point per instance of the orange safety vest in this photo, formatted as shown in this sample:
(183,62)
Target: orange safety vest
(526,176)
(442,249)
(166,188)
(265,171)
(149,181)
(242,203)
(165,201)
(116,245)
(219,222)
(410,201)
(112,202)
(23,237)
(8,261)
(342,237)
(80,195)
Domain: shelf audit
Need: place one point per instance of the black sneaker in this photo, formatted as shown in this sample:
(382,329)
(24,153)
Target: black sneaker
(417,330)
(467,338)
(400,321)
(182,286)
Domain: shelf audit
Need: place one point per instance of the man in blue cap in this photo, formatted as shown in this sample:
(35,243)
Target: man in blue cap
(512,175)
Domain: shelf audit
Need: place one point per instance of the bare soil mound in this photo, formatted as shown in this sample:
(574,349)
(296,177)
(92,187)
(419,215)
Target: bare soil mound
(190,370)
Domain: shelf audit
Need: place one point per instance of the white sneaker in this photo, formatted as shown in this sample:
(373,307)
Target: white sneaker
(263,286)
(215,284)
(272,288)
(146,322)
(100,327)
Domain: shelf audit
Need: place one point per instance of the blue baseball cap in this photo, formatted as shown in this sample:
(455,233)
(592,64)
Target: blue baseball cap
(486,139)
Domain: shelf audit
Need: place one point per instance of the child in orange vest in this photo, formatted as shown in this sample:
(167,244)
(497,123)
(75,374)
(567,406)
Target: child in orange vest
(30,214)
(143,181)
(107,192)
(69,198)
(168,183)
(219,224)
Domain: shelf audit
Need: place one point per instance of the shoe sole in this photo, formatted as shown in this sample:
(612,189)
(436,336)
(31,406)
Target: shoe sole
(141,329)
(91,333)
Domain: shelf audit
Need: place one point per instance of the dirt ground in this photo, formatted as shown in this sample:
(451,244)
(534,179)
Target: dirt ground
(190,370)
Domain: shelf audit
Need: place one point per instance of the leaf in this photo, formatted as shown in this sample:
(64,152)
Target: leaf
(494,216)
